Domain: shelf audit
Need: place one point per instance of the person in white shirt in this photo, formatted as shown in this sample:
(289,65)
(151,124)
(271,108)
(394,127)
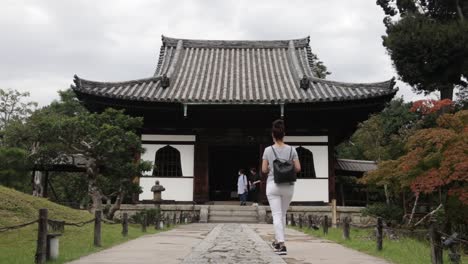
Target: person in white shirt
(242,187)
(279,195)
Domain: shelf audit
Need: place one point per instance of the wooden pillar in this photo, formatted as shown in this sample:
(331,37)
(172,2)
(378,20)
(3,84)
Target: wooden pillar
(436,244)
(125,224)
(144,223)
(97,228)
(201,180)
(331,166)
(346,228)
(41,249)
(379,233)
(325,225)
(333,213)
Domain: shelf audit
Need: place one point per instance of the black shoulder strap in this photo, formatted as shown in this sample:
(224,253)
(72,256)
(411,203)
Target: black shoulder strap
(290,154)
(274,152)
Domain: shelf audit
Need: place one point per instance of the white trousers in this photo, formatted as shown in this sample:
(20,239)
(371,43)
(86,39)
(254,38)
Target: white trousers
(279,197)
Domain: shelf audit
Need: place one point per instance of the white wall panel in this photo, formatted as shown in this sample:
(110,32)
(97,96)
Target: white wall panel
(149,137)
(186,156)
(291,139)
(311,190)
(178,189)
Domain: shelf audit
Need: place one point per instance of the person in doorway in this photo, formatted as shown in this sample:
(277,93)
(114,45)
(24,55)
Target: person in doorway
(279,195)
(254,186)
(242,187)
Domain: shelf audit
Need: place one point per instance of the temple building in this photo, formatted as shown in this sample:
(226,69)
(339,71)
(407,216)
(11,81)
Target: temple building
(209,106)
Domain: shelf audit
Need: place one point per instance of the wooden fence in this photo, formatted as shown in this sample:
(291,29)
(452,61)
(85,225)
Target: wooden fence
(438,240)
(50,228)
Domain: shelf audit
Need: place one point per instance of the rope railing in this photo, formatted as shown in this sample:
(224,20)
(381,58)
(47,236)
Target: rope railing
(49,229)
(7,228)
(439,241)
(455,239)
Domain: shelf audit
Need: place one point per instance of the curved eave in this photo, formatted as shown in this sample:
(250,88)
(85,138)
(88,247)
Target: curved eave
(146,90)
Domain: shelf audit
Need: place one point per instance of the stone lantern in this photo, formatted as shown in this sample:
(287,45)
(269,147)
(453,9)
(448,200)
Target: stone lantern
(157,189)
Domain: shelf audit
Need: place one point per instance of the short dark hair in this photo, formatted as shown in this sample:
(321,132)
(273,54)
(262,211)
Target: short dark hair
(278,129)
(242,171)
(253,169)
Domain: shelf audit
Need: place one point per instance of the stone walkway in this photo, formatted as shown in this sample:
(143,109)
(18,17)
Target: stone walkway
(226,243)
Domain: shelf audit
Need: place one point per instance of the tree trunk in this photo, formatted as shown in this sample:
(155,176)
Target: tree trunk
(446,93)
(387,195)
(37,184)
(93,189)
(116,205)
(459,11)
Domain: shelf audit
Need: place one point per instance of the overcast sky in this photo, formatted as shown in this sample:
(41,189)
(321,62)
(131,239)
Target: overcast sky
(44,43)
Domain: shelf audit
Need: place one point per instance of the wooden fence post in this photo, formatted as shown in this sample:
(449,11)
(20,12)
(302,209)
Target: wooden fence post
(41,250)
(300,221)
(97,228)
(144,223)
(325,225)
(309,221)
(125,224)
(379,234)
(174,218)
(436,245)
(334,213)
(293,221)
(156,224)
(346,228)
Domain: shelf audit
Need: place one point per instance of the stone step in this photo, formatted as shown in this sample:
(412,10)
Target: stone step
(232,219)
(233,213)
(232,207)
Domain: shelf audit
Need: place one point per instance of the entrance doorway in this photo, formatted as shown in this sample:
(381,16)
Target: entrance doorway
(224,165)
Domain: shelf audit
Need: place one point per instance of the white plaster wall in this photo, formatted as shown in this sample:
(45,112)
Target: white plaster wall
(149,137)
(179,189)
(186,156)
(320,154)
(311,190)
(291,139)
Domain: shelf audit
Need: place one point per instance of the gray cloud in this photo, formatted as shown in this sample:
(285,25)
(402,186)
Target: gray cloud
(45,42)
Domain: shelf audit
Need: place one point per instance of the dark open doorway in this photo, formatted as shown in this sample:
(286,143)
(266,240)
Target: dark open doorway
(225,163)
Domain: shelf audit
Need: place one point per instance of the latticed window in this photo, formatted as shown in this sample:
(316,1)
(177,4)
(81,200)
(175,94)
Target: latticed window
(167,162)
(306,158)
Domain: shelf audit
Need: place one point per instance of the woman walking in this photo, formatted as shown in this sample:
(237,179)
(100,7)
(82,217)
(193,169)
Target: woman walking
(279,194)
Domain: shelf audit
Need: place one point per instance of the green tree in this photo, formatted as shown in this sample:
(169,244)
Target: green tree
(13,107)
(428,43)
(108,141)
(14,168)
(382,136)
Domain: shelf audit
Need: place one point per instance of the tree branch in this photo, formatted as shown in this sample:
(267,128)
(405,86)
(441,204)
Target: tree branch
(414,209)
(429,214)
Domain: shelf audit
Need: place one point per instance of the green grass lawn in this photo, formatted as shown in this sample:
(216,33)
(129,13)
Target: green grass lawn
(19,246)
(401,251)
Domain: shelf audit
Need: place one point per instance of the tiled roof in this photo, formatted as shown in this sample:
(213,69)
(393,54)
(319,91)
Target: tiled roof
(355,165)
(246,72)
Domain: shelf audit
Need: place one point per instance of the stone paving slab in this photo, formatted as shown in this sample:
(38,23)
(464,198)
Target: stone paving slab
(168,247)
(233,244)
(304,249)
(225,244)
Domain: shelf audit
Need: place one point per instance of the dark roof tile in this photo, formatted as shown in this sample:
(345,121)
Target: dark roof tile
(247,72)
